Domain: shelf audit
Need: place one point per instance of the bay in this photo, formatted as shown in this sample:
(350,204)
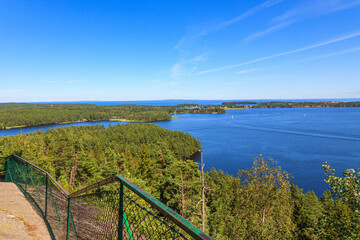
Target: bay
(299,139)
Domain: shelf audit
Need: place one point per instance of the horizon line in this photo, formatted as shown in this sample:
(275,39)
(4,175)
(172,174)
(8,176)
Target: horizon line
(179,99)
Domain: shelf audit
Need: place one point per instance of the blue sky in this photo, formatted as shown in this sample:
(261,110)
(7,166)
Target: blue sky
(150,50)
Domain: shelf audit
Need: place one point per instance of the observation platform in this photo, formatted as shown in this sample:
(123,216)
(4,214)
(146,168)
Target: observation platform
(18,219)
(33,205)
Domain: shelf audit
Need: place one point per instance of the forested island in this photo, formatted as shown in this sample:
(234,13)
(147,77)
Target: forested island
(194,108)
(258,203)
(248,104)
(14,115)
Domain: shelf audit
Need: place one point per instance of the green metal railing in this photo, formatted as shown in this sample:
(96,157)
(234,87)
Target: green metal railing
(42,190)
(114,208)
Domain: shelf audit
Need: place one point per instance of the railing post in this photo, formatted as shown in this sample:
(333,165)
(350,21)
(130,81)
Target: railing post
(68,219)
(8,176)
(121,212)
(46,195)
(22,175)
(26,176)
(32,181)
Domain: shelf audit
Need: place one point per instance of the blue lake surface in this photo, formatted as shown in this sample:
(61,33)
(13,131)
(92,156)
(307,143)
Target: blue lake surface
(300,139)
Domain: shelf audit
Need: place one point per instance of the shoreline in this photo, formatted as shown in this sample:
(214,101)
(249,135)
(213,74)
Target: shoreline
(173,117)
(196,154)
(112,120)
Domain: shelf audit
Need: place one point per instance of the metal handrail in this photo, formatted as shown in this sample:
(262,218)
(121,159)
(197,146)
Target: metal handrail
(168,212)
(154,202)
(48,174)
(93,186)
(28,195)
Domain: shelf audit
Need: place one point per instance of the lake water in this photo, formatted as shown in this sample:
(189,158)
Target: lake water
(299,139)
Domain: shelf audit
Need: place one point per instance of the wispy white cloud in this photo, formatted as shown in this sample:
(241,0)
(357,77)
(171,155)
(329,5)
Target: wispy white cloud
(240,17)
(250,70)
(334,40)
(303,10)
(186,67)
(267,31)
(311,8)
(177,71)
(180,70)
(247,71)
(331,54)
(200,33)
(200,58)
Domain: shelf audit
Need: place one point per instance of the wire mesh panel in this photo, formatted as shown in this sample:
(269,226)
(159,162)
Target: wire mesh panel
(57,208)
(145,224)
(2,168)
(97,216)
(42,193)
(113,208)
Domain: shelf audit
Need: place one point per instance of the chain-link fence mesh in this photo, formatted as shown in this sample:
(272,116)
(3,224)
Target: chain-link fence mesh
(2,168)
(42,193)
(114,209)
(98,213)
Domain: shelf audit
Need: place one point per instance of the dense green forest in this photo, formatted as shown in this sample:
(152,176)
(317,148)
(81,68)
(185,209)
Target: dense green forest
(258,203)
(237,104)
(22,114)
(289,104)
(28,115)
(306,104)
(194,108)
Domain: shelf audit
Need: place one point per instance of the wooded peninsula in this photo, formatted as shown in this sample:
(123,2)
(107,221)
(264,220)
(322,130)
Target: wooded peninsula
(248,104)
(258,203)
(14,115)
